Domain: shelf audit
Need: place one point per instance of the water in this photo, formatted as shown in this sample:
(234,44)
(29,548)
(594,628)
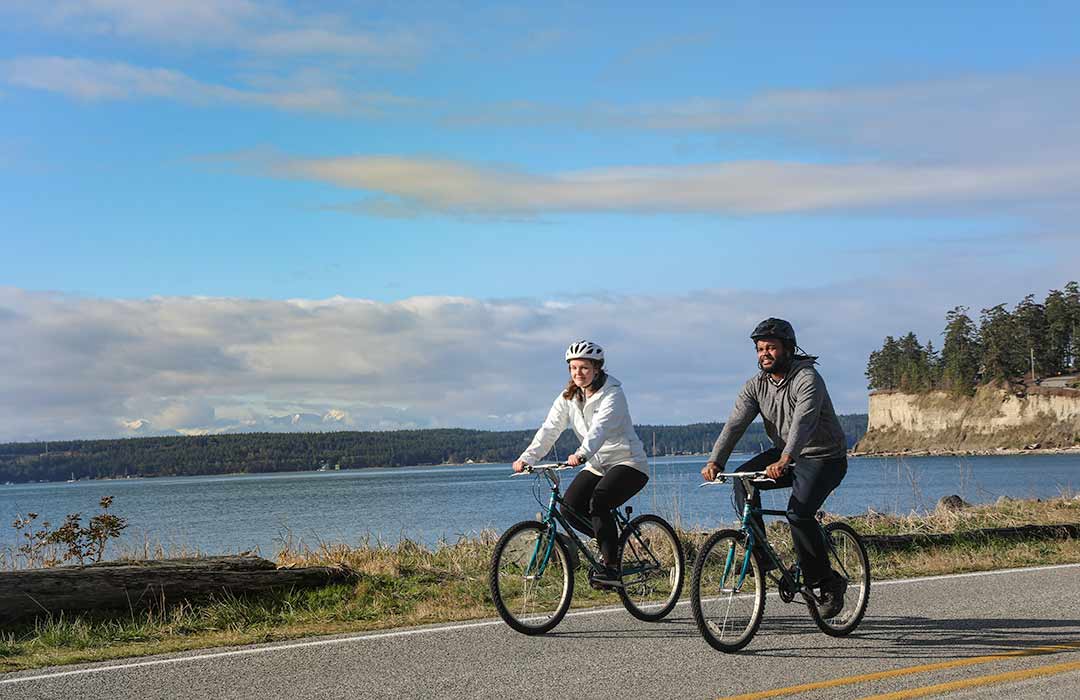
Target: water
(237,513)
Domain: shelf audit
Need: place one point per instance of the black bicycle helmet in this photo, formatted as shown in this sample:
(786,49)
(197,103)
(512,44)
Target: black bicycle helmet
(775,328)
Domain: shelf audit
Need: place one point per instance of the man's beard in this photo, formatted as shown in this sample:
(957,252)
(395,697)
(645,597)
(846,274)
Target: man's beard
(780,366)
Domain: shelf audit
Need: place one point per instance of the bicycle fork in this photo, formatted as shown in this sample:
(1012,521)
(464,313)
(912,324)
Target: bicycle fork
(542,549)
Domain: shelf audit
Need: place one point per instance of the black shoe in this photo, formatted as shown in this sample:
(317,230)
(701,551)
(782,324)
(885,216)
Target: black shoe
(831,601)
(605,579)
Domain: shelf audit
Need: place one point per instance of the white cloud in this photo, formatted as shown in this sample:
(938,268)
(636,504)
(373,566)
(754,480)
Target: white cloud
(255,27)
(107,80)
(980,116)
(741,187)
(87,367)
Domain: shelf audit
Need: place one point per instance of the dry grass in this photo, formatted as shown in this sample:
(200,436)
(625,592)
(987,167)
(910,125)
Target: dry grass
(933,561)
(1007,512)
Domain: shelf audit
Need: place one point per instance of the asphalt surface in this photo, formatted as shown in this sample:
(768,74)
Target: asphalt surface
(965,623)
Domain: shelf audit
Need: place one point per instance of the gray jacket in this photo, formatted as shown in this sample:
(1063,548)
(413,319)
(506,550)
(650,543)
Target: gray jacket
(798,415)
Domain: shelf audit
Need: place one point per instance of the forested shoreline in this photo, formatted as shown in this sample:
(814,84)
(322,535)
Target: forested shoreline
(280,452)
(1006,346)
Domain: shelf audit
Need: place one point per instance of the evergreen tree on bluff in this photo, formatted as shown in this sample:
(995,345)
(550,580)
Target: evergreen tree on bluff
(1058,334)
(1072,303)
(1030,318)
(959,353)
(933,364)
(914,365)
(903,364)
(1002,356)
(882,371)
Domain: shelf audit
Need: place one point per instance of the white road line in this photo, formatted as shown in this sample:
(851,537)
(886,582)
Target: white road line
(444,628)
(971,574)
(292,645)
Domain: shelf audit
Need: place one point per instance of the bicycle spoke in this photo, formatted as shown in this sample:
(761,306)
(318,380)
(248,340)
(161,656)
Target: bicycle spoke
(847,556)
(651,564)
(531,582)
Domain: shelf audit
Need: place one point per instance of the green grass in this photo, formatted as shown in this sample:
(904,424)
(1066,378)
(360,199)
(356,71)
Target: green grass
(408,584)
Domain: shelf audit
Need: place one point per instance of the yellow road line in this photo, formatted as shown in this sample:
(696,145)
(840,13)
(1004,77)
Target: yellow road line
(981,680)
(909,670)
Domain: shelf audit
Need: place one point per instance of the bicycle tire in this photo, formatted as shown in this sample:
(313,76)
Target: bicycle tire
(727,612)
(527,603)
(847,556)
(653,567)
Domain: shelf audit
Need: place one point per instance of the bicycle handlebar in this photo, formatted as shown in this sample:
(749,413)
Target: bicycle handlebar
(551,467)
(724,478)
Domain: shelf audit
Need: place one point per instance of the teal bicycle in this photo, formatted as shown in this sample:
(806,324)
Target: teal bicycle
(727,588)
(533,565)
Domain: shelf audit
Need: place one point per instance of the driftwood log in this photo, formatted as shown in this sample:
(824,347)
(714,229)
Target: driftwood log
(140,585)
(883,543)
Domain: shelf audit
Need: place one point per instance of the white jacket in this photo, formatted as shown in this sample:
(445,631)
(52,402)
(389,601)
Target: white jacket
(602,424)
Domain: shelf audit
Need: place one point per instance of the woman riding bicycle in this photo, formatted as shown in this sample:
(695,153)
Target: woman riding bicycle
(616,468)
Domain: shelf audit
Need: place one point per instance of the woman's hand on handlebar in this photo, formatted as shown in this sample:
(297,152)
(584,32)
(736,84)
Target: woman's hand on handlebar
(709,471)
(519,466)
(574,461)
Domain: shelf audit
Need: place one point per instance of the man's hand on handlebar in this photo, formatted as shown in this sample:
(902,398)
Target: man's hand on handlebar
(780,467)
(709,471)
(520,466)
(574,461)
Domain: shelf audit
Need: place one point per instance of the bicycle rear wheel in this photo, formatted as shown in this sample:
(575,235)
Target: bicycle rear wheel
(652,564)
(847,556)
(531,579)
(727,591)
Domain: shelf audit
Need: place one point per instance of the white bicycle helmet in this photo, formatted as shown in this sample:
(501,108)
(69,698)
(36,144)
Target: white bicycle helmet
(584,350)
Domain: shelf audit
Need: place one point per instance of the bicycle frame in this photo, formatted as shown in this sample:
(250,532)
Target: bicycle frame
(554,517)
(791,578)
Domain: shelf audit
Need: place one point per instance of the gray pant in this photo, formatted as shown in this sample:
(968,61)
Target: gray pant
(811,482)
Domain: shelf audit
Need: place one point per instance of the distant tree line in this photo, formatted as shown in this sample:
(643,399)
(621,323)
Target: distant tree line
(1000,349)
(278,452)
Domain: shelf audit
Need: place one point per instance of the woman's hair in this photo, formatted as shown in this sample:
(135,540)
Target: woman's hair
(573,391)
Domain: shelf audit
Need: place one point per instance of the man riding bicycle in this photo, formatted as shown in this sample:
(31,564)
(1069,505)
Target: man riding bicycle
(809,451)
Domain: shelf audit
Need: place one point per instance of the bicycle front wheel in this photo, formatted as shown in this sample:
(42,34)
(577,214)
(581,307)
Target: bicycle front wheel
(847,557)
(727,591)
(531,579)
(652,565)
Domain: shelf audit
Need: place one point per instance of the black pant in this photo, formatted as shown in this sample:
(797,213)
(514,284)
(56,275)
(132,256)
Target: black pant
(591,496)
(811,482)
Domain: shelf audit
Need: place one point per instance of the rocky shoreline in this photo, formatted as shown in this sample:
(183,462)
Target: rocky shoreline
(998,451)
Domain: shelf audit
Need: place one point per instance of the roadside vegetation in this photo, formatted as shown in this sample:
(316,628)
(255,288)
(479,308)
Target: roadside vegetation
(407,584)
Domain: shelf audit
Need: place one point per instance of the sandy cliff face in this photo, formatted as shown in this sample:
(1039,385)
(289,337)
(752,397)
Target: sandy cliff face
(991,419)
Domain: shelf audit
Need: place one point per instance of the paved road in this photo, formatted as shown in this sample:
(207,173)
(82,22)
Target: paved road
(1013,634)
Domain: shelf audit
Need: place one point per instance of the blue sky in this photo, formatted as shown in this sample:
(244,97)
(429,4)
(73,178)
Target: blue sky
(549,167)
